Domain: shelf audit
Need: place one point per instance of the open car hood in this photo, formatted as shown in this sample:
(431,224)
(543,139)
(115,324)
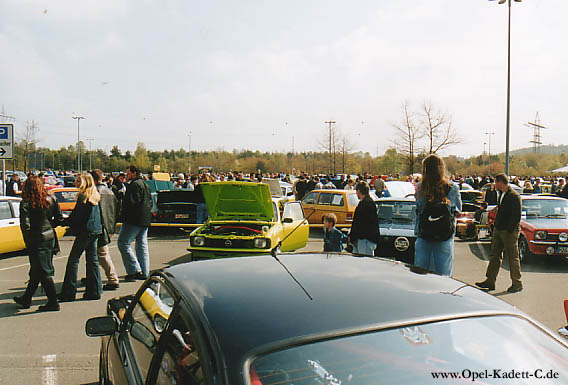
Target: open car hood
(238,201)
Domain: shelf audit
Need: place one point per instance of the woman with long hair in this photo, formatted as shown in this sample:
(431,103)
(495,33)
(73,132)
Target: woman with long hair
(435,196)
(39,213)
(85,221)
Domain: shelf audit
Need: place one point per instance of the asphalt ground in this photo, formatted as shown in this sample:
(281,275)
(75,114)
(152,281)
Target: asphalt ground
(51,348)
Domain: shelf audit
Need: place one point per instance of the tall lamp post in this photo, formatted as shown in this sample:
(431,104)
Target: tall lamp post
(78,147)
(489,136)
(509,2)
(189,154)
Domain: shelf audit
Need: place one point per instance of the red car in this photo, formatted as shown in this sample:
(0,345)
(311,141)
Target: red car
(544,227)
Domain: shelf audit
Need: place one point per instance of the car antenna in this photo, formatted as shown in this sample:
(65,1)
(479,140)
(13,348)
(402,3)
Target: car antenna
(291,275)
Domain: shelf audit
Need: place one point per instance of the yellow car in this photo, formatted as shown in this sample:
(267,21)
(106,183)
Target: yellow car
(11,238)
(244,219)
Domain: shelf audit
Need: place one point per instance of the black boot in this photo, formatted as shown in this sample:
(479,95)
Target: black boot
(49,287)
(25,300)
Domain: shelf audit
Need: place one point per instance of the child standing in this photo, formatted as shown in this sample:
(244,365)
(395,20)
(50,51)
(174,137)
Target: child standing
(333,238)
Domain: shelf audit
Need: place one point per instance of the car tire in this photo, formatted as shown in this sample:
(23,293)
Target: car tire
(525,254)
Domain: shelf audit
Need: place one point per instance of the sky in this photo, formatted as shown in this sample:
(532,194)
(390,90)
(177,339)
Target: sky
(266,75)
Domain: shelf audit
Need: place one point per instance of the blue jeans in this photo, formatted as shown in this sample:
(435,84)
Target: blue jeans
(435,256)
(141,261)
(87,243)
(201,213)
(364,247)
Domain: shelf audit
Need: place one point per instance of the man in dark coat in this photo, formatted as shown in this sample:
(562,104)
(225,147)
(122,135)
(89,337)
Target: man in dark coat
(505,237)
(136,218)
(108,205)
(364,234)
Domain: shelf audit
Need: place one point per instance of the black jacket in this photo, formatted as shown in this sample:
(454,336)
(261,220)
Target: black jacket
(79,218)
(37,224)
(509,212)
(137,203)
(365,222)
(491,197)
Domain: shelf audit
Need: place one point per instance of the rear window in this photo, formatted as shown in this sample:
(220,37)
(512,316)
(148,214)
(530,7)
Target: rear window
(66,196)
(352,199)
(417,354)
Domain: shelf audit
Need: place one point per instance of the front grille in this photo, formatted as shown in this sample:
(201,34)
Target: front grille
(235,243)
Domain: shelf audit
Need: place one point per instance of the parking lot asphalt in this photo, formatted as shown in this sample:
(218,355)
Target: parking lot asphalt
(51,348)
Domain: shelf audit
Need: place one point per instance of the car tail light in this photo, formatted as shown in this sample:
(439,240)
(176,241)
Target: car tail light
(349,216)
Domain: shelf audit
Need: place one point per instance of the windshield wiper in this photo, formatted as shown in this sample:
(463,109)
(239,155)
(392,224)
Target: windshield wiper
(555,216)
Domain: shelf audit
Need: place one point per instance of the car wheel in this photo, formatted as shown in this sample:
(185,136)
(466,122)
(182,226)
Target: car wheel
(525,254)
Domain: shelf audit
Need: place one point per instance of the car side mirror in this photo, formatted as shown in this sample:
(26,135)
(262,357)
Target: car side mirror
(101,326)
(563,332)
(287,220)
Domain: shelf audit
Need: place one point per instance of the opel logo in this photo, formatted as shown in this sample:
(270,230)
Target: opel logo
(401,243)
(228,243)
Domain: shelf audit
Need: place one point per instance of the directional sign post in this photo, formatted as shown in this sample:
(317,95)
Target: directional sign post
(6,141)
(6,150)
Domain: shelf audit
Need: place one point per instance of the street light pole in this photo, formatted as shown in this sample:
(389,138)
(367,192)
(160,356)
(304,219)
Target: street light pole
(189,155)
(489,136)
(90,153)
(78,139)
(509,2)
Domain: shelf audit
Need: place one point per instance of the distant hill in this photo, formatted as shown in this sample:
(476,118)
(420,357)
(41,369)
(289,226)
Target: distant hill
(546,149)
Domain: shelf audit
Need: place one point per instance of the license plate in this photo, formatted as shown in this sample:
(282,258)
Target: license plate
(181,216)
(562,250)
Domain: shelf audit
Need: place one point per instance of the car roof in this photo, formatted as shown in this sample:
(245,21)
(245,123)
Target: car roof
(250,303)
(396,199)
(544,196)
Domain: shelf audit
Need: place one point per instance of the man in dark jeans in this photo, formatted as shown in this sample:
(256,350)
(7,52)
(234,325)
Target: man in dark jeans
(364,234)
(505,237)
(136,215)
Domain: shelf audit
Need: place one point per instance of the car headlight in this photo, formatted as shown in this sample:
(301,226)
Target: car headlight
(261,243)
(198,241)
(540,234)
(401,243)
(563,237)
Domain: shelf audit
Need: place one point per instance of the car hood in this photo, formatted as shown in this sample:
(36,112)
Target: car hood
(238,200)
(548,223)
(397,229)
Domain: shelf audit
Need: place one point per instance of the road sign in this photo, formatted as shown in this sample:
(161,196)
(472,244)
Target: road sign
(6,141)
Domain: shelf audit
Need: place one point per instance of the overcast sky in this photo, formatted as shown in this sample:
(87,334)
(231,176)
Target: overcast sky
(262,74)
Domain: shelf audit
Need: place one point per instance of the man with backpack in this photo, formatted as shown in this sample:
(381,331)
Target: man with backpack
(437,202)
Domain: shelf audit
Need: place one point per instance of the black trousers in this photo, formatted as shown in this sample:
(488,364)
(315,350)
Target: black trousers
(41,270)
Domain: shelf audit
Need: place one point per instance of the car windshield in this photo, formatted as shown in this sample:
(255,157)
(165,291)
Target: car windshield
(396,211)
(545,208)
(448,352)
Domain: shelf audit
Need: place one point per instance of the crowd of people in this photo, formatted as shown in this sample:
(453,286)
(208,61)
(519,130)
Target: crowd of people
(92,221)
(102,201)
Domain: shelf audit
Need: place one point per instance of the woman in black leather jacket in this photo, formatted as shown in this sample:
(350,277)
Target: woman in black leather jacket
(39,213)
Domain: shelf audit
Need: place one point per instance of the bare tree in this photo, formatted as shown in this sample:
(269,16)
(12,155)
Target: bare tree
(437,129)
(28,141)
(407,134)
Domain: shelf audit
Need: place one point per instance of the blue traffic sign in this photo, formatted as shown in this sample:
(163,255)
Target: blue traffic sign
(3,132)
